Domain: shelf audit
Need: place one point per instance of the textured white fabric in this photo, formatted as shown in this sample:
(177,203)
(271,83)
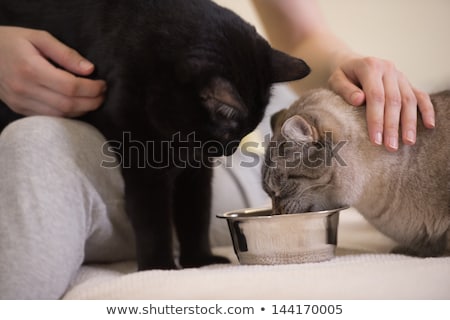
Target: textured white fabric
(363,269)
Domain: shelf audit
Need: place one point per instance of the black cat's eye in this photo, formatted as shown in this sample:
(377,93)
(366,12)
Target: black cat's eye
(227,112)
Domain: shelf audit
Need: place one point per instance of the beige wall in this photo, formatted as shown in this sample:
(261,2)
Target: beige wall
(412,33)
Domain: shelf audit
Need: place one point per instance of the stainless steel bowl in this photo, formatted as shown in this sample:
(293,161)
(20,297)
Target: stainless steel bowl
(262,238)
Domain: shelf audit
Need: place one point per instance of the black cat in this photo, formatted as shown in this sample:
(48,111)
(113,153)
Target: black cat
(190,77)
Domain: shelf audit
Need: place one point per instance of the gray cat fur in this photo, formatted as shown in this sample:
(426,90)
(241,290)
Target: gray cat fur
(404,194)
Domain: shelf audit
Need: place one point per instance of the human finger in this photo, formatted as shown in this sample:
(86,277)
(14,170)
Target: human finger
(67,106)
(392,109)
(426,108)
(63,82)
(40,96)
(409,112)
(63,55)
(344,85)
(369,75)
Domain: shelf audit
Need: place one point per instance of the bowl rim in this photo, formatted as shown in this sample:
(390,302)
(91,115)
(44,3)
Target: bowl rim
(252,213)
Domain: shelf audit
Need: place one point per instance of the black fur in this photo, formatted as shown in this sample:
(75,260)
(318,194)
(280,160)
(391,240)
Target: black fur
(185,69)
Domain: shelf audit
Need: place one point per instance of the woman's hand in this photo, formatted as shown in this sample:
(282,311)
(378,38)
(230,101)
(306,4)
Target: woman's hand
(31,85)
(391,101)
(299,28)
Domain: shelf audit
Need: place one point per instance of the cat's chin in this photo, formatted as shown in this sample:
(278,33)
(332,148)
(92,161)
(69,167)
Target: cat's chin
(292,209)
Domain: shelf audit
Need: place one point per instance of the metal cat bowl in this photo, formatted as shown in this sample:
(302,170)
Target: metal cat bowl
(262,238)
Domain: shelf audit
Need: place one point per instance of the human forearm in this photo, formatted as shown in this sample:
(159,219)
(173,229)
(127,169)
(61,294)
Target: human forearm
(299,28)
(323,52)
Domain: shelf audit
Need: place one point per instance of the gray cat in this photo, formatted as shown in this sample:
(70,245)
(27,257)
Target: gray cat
(320,158)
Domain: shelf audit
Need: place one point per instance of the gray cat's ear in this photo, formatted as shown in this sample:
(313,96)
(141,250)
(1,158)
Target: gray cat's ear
(222,100)
(299,130)
(287,68)
(275,117)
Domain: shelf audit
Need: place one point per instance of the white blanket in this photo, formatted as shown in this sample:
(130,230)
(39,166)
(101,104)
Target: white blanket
(363,269)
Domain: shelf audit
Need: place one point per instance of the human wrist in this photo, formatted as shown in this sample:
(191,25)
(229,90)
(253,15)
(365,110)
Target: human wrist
(324,53)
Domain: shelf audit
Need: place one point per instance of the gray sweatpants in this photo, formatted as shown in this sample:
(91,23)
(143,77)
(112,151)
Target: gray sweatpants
(59,208)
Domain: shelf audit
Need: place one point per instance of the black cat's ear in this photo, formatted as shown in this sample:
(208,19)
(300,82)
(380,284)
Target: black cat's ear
(287,68)
(299,130)
(275,118)
(222,100)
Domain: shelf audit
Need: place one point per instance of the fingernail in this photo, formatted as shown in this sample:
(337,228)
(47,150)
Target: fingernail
(411,136)
(378,138)
(85,65)
(354,98)
(393,142)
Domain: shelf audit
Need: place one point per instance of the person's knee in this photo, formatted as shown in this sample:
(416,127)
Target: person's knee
(47,130)
(26,126)
(52,138)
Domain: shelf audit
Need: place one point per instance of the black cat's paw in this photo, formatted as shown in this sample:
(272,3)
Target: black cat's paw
(157,264)
(204,260)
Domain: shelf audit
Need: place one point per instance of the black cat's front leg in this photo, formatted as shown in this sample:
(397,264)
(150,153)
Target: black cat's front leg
(192,216)
(148,203)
